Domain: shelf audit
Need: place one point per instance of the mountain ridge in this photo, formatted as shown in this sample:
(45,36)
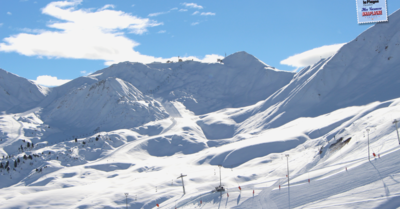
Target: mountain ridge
(337,82)
(19,94)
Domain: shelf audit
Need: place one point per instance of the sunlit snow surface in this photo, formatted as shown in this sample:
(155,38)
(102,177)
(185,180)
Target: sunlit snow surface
(98,175)
(134,128)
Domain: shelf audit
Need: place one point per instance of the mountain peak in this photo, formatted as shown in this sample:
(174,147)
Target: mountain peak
(243,59)
(19,94)
(91,105)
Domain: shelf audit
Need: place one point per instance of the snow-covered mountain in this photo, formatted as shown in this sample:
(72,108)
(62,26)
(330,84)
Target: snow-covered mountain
(364,70)
(240,80)
(19,94)
(105,105)
(122,135)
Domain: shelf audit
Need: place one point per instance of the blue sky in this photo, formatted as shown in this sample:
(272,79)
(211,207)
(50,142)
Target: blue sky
(55,41)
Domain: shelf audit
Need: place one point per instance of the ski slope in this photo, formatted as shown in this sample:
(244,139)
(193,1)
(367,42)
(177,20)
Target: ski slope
(135,128)
(133,162)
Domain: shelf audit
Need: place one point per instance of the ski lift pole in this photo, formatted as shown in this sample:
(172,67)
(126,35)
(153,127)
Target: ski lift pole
(126,195)
(395,122)
(183,185)
(220,182)
(287,160)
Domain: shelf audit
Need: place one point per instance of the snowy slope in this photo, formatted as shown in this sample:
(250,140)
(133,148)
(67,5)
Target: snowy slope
(241,80)
(105,105)
(66,88)
(362,71)
(19,94)
(97,174)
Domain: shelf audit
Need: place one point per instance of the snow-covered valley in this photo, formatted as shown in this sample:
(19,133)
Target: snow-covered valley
(320,138)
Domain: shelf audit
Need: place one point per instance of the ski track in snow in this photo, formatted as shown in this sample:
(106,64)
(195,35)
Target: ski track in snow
(11,130)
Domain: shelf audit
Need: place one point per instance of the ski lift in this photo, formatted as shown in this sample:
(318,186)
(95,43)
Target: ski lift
(219,188)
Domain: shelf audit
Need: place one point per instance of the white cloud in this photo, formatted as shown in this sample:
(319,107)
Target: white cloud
(161,13)
(85,73)
(106,7)
(195,23)
(47,80)
(9,13)
(28,30)
(312,56)
(1,24)
(210,58)
(162,31)
(157,13)
(193,5)
(196,12)
(183,10)
(207,13)
(85,34)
